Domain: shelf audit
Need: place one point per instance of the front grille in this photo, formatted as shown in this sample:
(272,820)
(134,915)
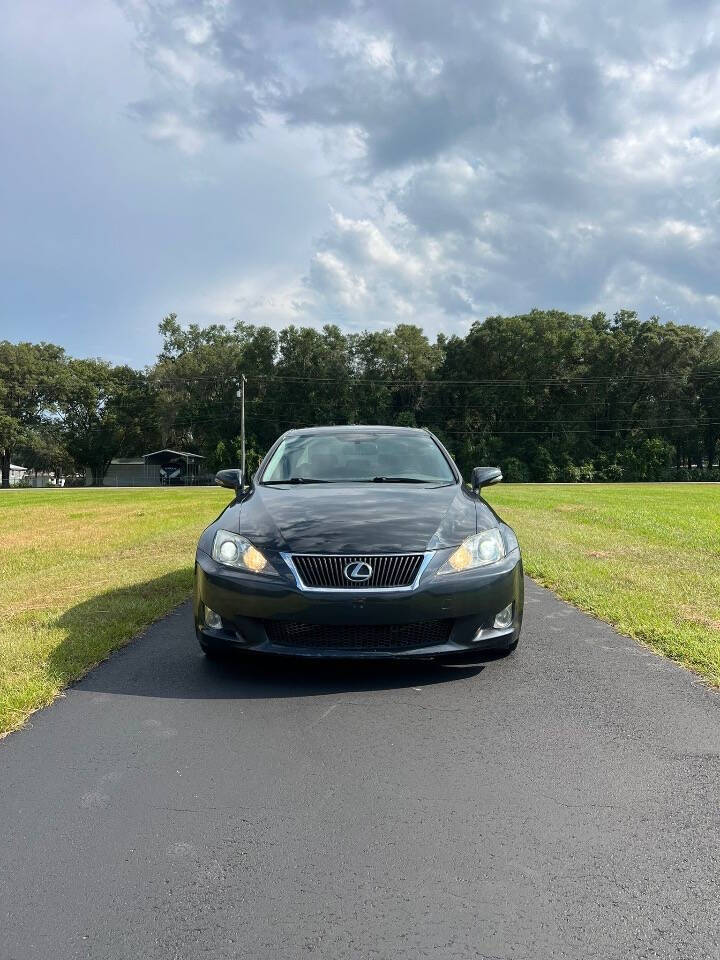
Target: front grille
(388,571)
(358,636)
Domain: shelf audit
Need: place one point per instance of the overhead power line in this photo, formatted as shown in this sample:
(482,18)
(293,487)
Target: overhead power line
(233,380)
(626,423)
(504,381)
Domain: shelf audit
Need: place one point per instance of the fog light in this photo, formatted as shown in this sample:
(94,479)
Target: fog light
(504,618)
(212,619)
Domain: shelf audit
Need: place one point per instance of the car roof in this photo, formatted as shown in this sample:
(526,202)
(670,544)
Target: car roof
(354,428)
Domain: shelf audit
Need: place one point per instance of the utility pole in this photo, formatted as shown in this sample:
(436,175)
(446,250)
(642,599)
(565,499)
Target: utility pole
(241,394)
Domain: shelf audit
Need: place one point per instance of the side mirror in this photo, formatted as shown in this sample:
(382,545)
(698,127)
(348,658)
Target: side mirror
(485,477)
(230,478)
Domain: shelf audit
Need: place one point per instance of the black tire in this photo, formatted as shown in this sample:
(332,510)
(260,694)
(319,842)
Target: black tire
(211,651)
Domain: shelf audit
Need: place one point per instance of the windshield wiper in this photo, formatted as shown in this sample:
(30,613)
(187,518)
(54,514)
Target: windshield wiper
(296,480)
(398,480)
(269,483)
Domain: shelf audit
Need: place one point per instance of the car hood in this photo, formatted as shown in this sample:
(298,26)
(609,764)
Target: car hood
(358,518)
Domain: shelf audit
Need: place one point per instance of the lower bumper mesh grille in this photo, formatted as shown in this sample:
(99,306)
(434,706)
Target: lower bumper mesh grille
(358,636)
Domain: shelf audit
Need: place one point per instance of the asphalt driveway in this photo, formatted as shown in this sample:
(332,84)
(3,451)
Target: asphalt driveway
(564,803)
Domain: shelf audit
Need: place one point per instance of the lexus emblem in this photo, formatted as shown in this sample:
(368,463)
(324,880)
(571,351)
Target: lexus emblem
(357,571)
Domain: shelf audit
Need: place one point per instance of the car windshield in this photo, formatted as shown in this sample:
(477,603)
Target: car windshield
(362,457)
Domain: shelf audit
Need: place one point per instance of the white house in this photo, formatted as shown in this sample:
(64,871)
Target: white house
(17,473)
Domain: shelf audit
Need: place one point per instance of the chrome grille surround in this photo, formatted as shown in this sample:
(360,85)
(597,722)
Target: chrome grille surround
(324,572)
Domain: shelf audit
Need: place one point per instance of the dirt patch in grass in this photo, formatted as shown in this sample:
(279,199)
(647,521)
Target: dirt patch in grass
(694,616)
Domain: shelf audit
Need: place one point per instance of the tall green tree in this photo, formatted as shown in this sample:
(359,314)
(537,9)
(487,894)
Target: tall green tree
(32,380)
(43,450)
(198,375)
(108,411)
(547,394)
(706,381)
(395,369)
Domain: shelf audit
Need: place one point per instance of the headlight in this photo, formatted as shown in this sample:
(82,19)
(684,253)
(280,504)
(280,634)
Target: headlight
(235,551)
(478,551)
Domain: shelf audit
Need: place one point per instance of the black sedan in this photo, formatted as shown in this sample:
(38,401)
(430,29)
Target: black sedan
(358,542)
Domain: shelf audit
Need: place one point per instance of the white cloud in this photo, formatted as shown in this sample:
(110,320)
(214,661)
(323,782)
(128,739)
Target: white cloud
(170,127)
(330,276)
(267,298)
(361,162)
(196,30)
(496,156)
(348,41)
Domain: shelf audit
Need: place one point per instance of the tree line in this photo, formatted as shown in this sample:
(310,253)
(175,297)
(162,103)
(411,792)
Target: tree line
(547,395)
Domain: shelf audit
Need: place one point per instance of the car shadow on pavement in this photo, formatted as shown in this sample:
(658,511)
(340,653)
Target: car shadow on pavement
(270,677)
(166,662)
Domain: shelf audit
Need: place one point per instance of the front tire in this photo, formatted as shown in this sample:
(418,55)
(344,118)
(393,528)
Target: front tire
(211,653)
(211,650)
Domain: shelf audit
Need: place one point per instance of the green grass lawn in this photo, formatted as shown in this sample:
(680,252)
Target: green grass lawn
(645,557)
(83,571)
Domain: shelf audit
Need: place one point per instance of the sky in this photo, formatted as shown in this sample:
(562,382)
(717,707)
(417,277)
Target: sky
(351,162)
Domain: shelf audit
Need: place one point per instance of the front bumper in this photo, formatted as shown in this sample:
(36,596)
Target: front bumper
(470,601)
